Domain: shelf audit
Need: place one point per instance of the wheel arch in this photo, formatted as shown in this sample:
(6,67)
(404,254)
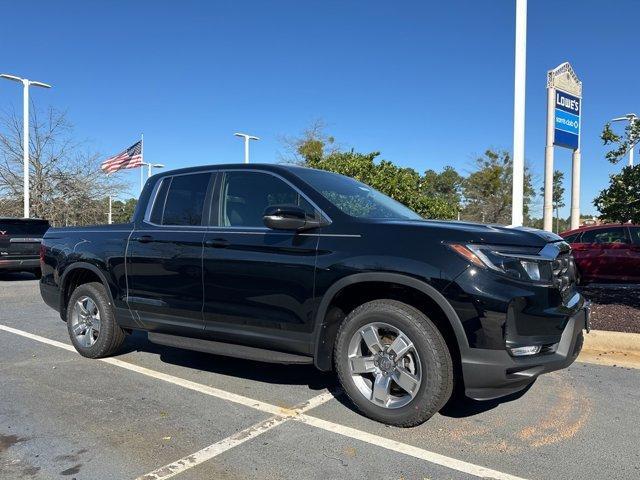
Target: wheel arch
(78,274)
(327,322)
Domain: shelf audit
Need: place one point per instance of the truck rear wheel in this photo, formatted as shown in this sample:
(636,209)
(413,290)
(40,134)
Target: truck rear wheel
(393,363)
(91,322)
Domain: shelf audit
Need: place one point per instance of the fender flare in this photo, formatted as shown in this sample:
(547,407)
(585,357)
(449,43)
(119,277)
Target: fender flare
(84,266)
(323,349)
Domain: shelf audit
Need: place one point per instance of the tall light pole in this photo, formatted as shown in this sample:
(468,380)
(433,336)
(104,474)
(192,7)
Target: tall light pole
(246,144)
(517,205)
(629,117)
(152,166)
(26,83)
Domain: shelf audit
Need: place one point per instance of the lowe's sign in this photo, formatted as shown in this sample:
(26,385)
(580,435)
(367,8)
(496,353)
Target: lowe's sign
(567,120)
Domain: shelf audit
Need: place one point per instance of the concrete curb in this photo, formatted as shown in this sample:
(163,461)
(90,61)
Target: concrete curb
(611,348)
(604,341)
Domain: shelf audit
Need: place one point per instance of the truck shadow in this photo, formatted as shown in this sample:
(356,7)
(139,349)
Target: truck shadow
(458,406)
(234,367)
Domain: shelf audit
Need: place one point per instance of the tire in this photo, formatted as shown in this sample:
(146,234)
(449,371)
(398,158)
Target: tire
(429,360)
(109,336)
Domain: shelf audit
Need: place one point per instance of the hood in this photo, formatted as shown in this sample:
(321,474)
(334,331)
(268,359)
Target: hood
(467,232)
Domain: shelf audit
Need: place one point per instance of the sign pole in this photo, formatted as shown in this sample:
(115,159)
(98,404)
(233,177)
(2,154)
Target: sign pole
(564,110)
(547,214)
(575,190)
(517,204)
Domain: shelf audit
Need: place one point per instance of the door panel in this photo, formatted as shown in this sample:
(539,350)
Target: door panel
(633,264)
(165,276)
(602,254)
(164,255)
(258,282)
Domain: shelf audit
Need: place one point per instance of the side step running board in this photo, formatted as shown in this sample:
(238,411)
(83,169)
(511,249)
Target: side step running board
(228,349)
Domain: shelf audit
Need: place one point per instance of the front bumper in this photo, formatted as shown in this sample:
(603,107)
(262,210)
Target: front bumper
(490,374)
(19,264)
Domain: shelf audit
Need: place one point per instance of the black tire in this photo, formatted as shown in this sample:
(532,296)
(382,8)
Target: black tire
(110,337)
(435,362)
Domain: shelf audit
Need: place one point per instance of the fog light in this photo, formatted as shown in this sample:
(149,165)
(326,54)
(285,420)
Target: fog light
(523,351)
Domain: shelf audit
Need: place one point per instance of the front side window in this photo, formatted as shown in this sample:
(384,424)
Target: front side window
(244,196)
(605,235)
(635,235)
(180,200)
(355,198)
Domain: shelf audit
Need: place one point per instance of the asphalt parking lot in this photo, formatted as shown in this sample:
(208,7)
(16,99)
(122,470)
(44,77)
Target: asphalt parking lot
(158,412)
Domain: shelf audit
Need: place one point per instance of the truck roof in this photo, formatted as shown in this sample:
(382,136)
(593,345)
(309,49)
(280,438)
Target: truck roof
(274,167)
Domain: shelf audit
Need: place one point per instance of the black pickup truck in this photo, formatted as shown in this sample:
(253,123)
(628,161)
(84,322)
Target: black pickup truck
(20,244)
(294,265)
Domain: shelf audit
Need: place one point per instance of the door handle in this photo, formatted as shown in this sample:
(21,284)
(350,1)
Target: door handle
(217,243)
(143,239)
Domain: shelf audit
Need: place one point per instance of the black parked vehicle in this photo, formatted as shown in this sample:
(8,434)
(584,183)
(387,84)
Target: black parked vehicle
(293,265)
(20,244)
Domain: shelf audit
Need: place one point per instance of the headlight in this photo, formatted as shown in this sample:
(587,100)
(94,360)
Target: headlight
(522,263)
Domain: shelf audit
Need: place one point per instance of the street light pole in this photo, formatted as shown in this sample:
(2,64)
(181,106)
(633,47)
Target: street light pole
(517,205)
(246,144)
(26,83)
(152,166)
(629,117)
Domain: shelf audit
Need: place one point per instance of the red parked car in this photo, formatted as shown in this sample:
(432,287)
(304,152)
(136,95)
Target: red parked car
(606,253)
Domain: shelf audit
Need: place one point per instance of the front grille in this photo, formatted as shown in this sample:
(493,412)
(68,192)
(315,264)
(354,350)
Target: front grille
(564,272)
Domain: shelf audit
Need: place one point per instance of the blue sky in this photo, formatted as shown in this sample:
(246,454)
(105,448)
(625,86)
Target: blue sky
(428,84)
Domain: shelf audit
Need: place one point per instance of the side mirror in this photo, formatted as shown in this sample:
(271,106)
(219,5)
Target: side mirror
(287,217)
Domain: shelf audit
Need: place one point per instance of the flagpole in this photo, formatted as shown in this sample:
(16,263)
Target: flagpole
(141,166)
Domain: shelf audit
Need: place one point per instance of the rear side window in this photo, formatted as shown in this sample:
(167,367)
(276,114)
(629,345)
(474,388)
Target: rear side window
(180,200)
(635,235)
(605,235)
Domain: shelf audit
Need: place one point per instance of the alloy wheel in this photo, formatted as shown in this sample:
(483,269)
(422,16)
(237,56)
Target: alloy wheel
(85,321)
(384,365)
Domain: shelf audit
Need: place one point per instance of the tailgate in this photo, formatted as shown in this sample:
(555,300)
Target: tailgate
(21,237)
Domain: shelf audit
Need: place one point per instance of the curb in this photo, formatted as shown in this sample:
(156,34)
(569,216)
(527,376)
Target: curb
(605,341)
(616,349)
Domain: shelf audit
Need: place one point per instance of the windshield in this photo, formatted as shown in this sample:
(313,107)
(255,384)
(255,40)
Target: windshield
(355,198)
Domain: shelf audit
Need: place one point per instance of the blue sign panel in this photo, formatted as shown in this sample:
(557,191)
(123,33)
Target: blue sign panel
(567,120)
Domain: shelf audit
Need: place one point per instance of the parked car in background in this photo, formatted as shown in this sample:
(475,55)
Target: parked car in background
(20,240)
(606,253)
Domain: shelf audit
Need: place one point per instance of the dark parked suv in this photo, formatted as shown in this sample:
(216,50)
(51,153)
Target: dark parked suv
(20,244)
(293,265)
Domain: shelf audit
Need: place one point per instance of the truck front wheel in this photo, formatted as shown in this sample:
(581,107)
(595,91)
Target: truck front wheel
(91,322)
(393,363)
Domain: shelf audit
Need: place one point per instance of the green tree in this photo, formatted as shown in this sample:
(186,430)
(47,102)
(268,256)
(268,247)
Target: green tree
(621,143)
(488,190)
(432,195)
(620,202)
(122,211)
(402,184)
(557,198)
(446,185)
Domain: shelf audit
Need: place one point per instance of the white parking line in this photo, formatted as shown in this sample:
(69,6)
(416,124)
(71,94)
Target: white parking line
(296,414)
(228,443)
(198,387)
(431,457)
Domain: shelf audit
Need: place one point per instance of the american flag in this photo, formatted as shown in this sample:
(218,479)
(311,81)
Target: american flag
(129,158)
